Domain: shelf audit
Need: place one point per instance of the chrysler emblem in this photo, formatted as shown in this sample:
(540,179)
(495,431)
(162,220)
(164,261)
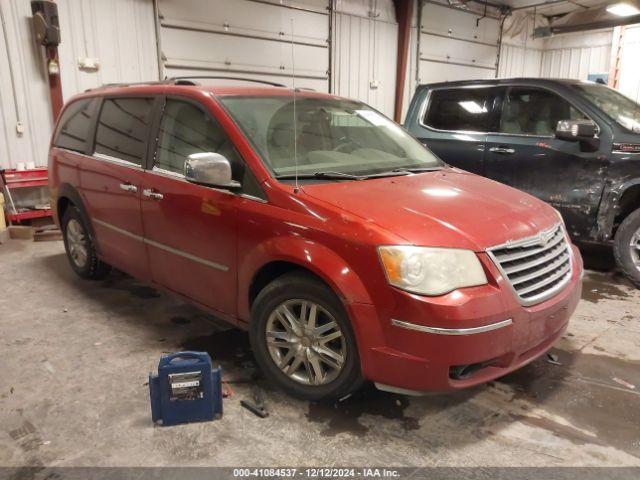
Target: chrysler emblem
(544,237)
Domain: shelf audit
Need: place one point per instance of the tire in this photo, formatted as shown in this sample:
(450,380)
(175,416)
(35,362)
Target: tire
(318,376)
(626,247)
(81,251)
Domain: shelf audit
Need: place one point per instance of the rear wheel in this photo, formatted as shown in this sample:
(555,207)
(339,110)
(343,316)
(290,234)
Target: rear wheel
(80,249)
(302,339)
(626,247)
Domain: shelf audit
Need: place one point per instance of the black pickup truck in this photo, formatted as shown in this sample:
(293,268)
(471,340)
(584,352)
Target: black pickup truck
(573,144)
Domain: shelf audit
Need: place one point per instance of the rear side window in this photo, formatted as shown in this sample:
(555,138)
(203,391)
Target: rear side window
(74,128)
(532,111)
(462,109)
(123,127)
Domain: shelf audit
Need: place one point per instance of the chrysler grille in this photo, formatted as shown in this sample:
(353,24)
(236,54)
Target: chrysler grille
(536,267)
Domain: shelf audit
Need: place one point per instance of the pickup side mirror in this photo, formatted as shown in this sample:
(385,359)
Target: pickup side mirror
(583,131)
(209,169)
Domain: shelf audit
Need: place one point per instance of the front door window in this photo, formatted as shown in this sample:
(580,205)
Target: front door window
(530,111)
(186,129)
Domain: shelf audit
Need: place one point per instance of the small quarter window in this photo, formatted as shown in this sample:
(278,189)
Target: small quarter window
(461,109)
(123,127)
(74,126)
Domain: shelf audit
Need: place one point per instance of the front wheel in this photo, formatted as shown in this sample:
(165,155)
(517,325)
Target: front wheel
(626,247)
(302,339)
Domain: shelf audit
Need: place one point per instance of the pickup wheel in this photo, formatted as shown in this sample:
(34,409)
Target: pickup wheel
(626,248)
(302,339)
(79,247)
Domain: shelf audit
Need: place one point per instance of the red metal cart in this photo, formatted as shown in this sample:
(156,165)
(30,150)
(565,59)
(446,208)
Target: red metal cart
(17,179)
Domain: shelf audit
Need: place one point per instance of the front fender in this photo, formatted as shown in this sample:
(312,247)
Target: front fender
(609,207)
(317,258)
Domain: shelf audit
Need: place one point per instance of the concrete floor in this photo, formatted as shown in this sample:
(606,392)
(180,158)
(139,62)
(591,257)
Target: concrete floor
(76,354)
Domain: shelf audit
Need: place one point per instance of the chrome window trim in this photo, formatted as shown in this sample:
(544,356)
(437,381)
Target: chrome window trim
(162,172)
(527,241)
(423,111)
(115,160)
(162,246)
(451,331)
(166,173)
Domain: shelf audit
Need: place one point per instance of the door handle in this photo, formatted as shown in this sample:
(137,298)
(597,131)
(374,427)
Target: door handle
(503,150)
(127,187)
(147,192)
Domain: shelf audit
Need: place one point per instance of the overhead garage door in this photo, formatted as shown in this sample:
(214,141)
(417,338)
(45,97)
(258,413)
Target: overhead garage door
(456,44)
(256,38)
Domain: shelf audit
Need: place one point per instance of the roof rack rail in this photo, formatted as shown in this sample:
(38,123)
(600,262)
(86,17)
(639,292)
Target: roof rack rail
(187,80)
(128,84)
(176,80)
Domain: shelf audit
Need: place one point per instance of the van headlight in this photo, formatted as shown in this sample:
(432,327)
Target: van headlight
(431,271)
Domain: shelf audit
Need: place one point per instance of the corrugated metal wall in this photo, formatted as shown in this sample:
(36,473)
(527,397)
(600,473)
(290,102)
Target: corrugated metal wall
(520,55)
(118,33)
(519,61)
(24,91)
(629,76)
(576,55)
(365,38)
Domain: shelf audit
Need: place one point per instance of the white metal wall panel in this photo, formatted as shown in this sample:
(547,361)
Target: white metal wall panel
(629,80)
(247,38)
(364,60)
(454,45)
(518,61)
(119,34)
(577,55)
(24,90)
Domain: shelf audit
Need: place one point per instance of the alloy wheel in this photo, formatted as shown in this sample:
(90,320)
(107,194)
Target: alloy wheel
(306,342)
(634,247)
(77,243)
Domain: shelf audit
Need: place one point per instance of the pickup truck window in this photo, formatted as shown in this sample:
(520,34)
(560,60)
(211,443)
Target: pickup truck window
(531,111)
(123,127)
(620,108)
(461,109)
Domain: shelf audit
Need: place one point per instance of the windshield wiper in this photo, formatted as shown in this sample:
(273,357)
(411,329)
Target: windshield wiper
(344,176)
(328,175)
(416,169)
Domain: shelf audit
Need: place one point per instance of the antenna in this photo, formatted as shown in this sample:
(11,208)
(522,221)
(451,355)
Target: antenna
(295,118)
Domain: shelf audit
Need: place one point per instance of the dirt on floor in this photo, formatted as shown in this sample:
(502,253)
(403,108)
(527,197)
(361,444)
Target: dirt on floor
(76,356)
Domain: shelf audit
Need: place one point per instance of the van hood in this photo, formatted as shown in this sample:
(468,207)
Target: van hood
(446,208)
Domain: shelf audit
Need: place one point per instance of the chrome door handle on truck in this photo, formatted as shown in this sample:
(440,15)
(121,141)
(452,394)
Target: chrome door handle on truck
(502,150)
(147,192)
(127,187)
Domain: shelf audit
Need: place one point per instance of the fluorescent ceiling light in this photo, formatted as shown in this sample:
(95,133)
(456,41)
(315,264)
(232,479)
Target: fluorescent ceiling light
(472,107)
(623,9)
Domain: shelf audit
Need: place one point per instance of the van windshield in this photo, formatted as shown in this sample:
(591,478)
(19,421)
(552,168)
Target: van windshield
(620,108)
(332,136)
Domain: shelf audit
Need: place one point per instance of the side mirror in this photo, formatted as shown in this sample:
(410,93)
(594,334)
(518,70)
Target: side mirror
(583,131)
(209,169)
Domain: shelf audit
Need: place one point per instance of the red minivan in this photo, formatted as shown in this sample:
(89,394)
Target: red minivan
(348,250)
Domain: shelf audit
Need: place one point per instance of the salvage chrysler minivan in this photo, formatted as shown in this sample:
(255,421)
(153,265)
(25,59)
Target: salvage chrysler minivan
(347,249)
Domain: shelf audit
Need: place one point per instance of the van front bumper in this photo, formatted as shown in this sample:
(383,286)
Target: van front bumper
(461,339)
